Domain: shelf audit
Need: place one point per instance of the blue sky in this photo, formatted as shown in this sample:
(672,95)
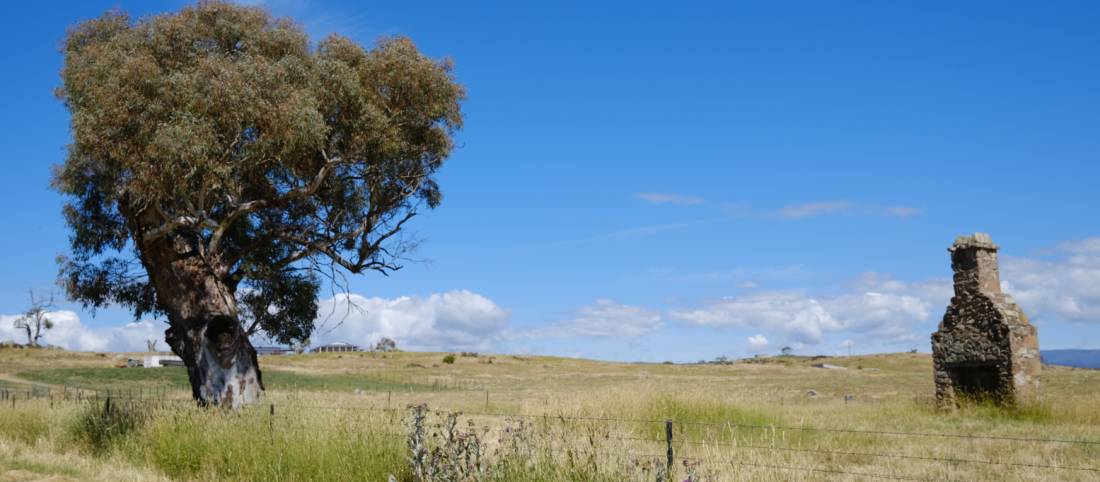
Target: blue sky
(681,180)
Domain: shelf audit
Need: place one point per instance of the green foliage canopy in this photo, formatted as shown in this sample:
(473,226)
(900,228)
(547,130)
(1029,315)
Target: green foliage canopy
(278,163)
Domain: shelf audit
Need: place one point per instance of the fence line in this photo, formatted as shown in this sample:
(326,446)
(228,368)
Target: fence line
(850,453)
(894,456)
(827,471)
(734,445)
(732,424)
(32,393)
(681,441)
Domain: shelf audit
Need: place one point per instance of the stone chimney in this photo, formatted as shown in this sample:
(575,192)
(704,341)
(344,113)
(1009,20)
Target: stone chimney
(984,348)
(974,260)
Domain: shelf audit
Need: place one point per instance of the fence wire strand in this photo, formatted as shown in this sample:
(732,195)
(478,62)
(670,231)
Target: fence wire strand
(75,394)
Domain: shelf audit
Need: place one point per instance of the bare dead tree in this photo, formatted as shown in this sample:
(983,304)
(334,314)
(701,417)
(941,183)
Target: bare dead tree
(35,321)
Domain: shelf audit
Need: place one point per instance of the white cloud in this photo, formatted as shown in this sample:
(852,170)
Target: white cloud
(877,306)
(872,310)
(757,342)
(1081,246)
(1064,288)
(799,317)
(1060,288)
(69,333)
(891,315)
(455,320)
(604,318)
(668,198)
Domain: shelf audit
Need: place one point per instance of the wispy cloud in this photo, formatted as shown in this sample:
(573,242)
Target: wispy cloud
(823,208)
(741,278)
(807,210)
(604,318)
(626,233)
(903,211)
(668,198)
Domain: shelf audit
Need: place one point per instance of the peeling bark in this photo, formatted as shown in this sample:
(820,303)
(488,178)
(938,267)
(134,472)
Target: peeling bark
(204,327)
(221,362)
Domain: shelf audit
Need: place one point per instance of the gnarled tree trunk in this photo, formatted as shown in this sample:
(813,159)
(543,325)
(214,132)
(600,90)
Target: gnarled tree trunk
(204,326)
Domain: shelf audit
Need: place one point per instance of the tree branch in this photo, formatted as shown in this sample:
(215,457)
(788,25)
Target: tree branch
(174,224)
(253,206)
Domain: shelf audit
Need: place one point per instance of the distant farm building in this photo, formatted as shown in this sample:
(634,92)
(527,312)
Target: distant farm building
(828,366)
(273,350)
(336,348)
(158,361)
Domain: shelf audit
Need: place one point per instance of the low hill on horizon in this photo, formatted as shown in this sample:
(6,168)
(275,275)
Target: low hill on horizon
(1077,358)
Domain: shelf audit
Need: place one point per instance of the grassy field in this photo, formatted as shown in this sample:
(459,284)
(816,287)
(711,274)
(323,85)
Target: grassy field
(345,417)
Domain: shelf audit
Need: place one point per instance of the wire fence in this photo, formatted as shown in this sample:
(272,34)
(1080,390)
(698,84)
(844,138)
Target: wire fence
(678,444)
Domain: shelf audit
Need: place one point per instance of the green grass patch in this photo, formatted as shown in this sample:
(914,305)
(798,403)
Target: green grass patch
(708,420)
(103,378)
(1023,412)
(146,381)
(285,380)
(24,425)
(990,410)
(250,445)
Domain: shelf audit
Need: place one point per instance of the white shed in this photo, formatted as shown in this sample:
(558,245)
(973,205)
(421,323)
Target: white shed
(158,361)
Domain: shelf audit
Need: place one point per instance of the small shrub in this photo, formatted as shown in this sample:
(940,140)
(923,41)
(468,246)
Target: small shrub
(449,359)
(449,454)
(98,428)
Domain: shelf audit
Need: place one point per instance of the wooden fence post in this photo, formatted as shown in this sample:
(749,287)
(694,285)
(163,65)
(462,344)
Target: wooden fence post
(668,442)
(271,424)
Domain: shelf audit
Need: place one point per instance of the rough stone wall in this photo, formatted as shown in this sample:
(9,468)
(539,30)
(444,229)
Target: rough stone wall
(985,347)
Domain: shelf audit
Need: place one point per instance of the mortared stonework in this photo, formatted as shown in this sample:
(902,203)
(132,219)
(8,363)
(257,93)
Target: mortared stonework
(984,348)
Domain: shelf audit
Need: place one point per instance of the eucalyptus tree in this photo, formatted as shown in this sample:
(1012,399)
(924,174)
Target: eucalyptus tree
(221,167)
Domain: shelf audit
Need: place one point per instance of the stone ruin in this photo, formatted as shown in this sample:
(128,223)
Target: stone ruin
(985,349)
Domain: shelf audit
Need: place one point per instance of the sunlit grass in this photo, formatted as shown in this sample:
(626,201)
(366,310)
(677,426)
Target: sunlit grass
(737,421)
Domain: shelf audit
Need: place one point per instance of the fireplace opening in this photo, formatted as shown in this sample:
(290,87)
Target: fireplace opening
(977,382)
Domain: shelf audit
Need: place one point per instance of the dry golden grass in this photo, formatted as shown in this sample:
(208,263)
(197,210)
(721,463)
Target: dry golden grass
(754,421)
